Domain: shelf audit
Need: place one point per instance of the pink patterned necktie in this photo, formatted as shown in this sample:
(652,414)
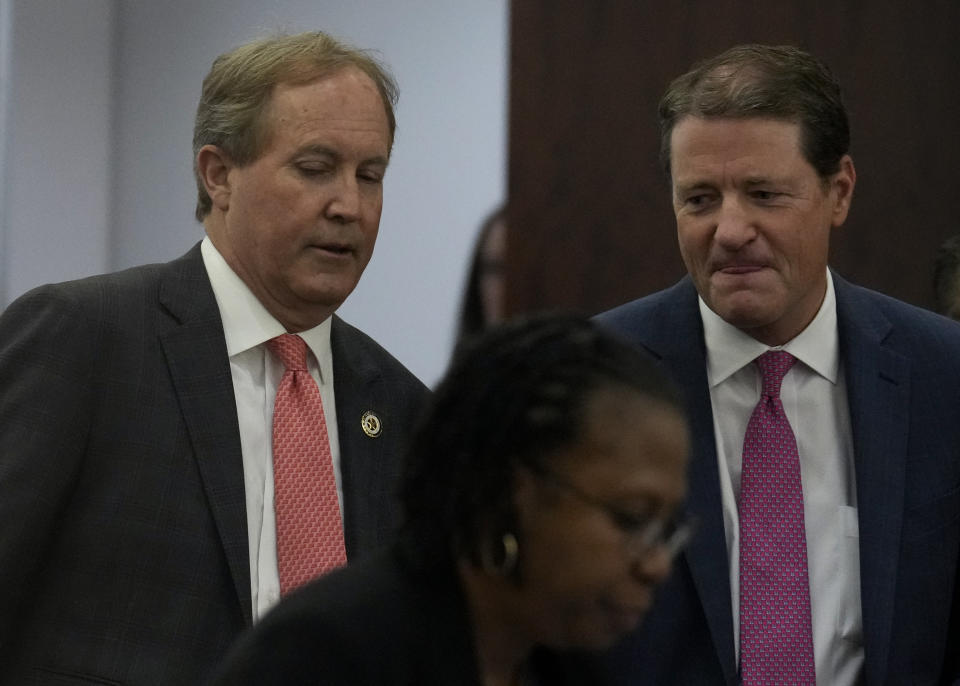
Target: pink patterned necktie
(309,527)
(776,639)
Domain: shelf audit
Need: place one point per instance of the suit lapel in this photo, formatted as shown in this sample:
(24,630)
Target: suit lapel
(197,358)
(878,390)
(358,389)
(678,340)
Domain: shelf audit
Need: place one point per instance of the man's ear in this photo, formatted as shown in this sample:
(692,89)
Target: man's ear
(213,168)
(842,184)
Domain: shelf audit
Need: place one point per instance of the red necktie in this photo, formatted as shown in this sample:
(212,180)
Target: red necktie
(776,640)
(309,526)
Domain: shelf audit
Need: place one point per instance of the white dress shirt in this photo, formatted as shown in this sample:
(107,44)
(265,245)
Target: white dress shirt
(814,398)
(256,374)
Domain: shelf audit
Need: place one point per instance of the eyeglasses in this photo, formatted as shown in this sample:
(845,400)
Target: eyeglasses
(643,531)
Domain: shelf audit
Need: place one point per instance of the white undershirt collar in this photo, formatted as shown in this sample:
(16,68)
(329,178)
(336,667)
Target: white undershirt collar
(729,349)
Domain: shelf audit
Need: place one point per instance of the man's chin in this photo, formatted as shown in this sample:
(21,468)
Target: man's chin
(326,290)
(743,309)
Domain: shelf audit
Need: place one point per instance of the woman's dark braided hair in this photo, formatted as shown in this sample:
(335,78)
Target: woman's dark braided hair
(511,396)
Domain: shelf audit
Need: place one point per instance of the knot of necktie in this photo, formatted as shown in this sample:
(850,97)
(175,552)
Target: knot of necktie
(774,365)
(291,350)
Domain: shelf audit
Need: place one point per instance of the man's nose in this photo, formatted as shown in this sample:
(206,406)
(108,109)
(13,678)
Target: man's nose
(735,227)
(345,204)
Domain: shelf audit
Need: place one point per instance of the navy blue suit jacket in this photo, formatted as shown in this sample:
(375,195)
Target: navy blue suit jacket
(902,368)
(123,544)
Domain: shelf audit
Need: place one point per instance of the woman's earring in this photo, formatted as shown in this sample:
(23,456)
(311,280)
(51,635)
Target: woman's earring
(502,562)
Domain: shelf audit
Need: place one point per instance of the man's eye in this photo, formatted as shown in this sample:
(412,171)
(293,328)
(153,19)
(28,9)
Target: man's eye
(764,195)
(312,169)
(697,201)
(370,177)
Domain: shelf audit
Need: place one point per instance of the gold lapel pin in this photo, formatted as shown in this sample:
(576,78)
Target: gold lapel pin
(370,423)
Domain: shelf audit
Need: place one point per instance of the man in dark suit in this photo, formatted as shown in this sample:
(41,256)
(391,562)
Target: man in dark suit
(755,142)
(136,478)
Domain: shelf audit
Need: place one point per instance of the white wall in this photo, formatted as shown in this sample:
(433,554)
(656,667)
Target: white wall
(446,174)
(6,52)
(55,133)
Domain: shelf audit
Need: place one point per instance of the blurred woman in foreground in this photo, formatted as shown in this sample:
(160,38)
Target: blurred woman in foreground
(541,498)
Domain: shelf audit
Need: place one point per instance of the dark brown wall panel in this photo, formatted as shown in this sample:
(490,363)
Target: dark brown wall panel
(590,216)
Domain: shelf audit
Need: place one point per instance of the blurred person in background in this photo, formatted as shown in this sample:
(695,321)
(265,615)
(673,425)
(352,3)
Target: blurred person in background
(485,287)
(946,278)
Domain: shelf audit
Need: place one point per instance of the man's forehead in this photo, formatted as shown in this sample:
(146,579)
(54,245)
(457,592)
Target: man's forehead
(721,126)
(335,89)
(339,101)
(757,145)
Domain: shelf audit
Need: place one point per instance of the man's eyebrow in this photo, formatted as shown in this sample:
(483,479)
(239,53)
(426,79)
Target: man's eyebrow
(693,186)
(785,183)
(379,160)
(758,179)
(317,149)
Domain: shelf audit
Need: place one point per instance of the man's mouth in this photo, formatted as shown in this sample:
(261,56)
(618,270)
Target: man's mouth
(334,248)
(737,269)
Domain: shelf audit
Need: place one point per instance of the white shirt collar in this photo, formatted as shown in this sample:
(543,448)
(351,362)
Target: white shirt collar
(246,322)
(729,349)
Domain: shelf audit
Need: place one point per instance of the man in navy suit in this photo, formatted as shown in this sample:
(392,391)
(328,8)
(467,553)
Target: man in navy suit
(755,142)
(136,472)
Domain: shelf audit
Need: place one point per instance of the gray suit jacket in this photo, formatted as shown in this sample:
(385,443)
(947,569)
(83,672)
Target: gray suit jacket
(902,368)
(123,548)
